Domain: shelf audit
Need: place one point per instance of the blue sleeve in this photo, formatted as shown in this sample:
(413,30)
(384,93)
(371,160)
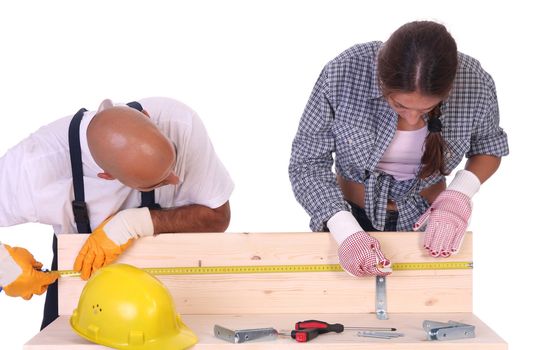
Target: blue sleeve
(310,170)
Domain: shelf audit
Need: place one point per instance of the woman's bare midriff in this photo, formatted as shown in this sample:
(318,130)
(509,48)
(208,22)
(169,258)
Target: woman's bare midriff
(355,192)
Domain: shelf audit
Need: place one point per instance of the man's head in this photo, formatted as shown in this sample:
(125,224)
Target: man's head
(130,148)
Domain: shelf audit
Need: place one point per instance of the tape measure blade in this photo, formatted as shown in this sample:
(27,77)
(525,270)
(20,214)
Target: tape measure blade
(215,270)
(448,265)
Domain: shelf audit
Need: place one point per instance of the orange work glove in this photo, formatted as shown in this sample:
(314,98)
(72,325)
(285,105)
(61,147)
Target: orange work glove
(113,236)
(30,280)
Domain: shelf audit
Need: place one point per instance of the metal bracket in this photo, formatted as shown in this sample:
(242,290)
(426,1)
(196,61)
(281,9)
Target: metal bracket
(381,298)
(447,331)
(244,335)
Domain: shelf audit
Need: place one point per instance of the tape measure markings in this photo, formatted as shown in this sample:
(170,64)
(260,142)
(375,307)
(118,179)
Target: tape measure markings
(218,270)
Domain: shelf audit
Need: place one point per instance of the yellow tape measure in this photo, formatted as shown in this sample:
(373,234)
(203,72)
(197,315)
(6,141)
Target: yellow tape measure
(218,270)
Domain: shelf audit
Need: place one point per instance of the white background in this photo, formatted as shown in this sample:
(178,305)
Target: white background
(248,67)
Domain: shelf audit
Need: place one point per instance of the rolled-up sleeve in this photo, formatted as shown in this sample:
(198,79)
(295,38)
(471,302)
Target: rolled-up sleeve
(487,136)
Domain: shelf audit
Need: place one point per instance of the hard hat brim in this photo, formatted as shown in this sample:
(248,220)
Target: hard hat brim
(183,340)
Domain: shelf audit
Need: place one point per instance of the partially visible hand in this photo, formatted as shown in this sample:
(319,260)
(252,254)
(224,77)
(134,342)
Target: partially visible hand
(361,255)
(447,218)
(98,251)
(113,236)
(31,280)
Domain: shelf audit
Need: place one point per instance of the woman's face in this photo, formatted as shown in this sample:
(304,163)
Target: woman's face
(411,106)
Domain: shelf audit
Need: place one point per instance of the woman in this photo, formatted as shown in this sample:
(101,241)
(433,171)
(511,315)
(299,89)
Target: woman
(398,117)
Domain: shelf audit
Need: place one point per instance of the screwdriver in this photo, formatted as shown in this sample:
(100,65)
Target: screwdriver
(304,335)
(324,327)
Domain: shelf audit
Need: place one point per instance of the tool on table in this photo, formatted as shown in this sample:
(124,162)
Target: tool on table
(324,327)
(379,335)
(244,335)
(304,335)
(447,331)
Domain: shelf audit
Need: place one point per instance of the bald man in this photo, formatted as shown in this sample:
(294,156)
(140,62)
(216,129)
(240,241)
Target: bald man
(155,148)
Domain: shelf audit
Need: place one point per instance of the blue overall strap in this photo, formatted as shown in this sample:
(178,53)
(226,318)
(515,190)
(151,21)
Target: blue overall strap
(147,198)
(136,105)
(81,216)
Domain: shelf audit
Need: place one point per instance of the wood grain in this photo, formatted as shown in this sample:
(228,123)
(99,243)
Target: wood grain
(241,301)
(59,335)
(408,291)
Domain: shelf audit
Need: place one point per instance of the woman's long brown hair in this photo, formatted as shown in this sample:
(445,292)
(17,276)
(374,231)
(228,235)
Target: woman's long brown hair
(421,57)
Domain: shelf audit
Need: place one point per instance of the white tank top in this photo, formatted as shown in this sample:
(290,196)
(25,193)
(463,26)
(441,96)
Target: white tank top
(402,157)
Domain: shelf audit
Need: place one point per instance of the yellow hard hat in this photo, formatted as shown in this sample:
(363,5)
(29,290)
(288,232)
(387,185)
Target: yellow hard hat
(124,307)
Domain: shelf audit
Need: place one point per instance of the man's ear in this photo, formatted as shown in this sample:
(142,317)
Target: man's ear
(105,104)
(105,176)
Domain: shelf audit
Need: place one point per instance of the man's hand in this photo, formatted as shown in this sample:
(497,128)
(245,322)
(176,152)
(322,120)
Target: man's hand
(31,280)
(360,255)
(113,236)
(448,216)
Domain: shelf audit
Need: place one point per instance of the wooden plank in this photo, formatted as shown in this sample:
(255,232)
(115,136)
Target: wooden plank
(59,336)
(408,291)
(209,249)
(274,293)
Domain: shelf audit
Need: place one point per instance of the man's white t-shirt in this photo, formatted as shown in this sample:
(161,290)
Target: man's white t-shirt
(36,181)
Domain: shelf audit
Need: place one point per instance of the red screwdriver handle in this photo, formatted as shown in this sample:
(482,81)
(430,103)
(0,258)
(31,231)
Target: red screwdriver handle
(322,326)
(304,335)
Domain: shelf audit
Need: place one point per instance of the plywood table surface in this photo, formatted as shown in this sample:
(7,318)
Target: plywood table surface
(60,336)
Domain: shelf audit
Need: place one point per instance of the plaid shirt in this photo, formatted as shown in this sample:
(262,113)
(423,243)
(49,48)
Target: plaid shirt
(348,117)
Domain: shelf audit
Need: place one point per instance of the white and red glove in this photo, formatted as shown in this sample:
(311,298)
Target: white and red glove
(359,253)
(113,236)
(448,216)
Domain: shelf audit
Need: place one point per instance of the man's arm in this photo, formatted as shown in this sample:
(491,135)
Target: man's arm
(191,218)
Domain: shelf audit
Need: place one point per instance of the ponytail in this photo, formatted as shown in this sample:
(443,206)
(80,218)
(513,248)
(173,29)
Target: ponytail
(433,158)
